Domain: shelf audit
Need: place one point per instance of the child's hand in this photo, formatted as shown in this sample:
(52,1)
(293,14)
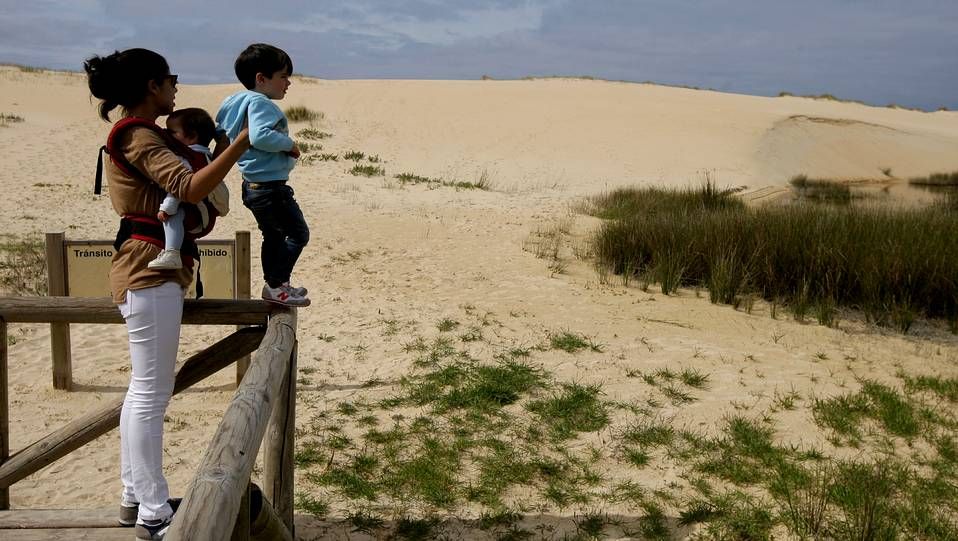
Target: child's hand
(294,152)
(162,216)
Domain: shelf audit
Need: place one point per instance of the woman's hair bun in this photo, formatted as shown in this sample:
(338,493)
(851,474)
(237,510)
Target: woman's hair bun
(101,75)
(120,79)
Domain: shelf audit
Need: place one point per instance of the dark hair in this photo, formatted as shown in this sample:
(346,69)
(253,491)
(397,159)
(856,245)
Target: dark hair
(261,58)
(121,79)
(195,122)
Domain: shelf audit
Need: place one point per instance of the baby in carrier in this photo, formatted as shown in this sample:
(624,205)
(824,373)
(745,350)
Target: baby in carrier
(194,128)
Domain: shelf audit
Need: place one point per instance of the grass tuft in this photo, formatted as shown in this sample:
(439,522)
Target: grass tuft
(367,171)
(9,118)
(571,342)
(313,134)
(480,184)
(576,408)
(299,113)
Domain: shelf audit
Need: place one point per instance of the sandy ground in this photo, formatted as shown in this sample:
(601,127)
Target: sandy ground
(381,251)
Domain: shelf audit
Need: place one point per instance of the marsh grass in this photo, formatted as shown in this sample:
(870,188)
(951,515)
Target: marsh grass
(300,113)
(936,179)
(822,190)
(23,266)
(895,265)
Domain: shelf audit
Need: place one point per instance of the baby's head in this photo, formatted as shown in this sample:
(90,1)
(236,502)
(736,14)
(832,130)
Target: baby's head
(191,126)
(265,69)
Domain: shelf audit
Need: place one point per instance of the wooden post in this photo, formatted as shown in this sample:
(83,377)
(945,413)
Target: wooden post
(241,528)
(59,332)
(279,446)
(241,287)
(4,412)
(212,500)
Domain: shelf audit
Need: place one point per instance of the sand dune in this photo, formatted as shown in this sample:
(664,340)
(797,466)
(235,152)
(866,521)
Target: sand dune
(416,255)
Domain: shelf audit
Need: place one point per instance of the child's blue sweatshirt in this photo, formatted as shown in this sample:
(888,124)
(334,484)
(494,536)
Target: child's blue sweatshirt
(266,160)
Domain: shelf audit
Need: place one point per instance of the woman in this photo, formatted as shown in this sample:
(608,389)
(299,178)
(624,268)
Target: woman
(151,301)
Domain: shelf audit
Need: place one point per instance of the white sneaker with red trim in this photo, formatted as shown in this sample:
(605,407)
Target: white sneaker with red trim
(283,295)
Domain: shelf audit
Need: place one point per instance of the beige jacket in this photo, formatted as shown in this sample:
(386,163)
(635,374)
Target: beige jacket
(148,153)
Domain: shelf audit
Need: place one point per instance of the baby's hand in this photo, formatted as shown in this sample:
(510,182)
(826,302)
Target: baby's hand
(294,152)
(162,216)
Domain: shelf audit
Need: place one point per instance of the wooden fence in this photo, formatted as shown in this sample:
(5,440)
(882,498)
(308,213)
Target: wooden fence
(216,504)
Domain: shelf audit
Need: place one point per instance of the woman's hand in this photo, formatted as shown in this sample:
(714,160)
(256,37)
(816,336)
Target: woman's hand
(243,137)
(208,177)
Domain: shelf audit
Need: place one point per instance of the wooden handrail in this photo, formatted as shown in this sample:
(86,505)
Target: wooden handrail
(103,310)
(213,499)
(88,427)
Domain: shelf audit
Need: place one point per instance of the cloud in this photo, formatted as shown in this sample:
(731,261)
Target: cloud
(877,50)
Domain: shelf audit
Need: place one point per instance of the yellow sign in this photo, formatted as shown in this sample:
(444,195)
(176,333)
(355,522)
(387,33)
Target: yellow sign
(88,268)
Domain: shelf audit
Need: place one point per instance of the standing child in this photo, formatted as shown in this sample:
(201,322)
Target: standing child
(265,70)
(194,128)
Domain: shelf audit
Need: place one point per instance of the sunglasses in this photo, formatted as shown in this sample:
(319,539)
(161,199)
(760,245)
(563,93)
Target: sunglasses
(173,79)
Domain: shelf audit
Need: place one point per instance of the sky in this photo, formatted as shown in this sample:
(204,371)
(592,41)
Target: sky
(878,51)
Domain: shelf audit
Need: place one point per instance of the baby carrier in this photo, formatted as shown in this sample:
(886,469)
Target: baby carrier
(198,220)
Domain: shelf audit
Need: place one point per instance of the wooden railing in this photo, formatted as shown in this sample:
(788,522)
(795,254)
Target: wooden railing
(264,405)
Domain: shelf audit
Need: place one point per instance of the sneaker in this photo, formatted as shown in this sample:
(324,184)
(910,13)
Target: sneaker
(298,291)
(168,259)
(284,296)
(129,513)
(153,529)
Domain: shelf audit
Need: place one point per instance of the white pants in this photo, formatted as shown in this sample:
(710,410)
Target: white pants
(153,323)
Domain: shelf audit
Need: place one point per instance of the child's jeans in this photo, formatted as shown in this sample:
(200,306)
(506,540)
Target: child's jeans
(173,226)
(285,232)
(152,319)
